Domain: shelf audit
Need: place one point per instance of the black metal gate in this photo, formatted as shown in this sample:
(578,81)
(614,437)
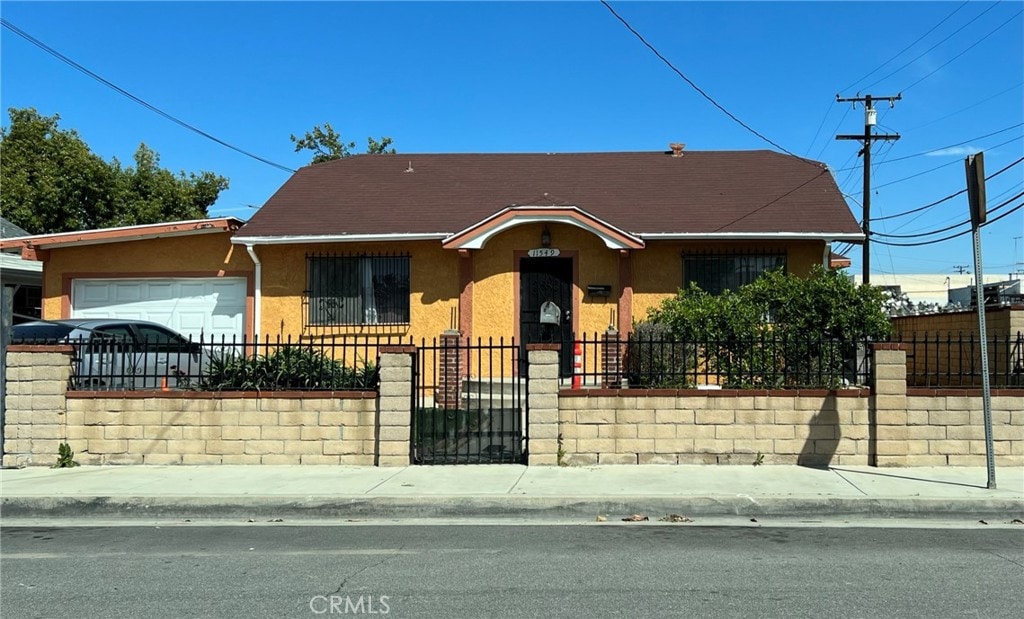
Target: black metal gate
(545,280)
(469,403)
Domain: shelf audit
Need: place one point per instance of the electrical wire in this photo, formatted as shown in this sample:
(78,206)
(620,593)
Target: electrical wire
(925,52)
(942,148)
(964,109)
(898,54)
(46,48)
(708,97)
(936,69)
(760,208)
(953,236)
(944,199)
(994,209)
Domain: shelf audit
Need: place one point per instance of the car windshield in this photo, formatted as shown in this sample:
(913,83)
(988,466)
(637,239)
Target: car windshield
(47,333)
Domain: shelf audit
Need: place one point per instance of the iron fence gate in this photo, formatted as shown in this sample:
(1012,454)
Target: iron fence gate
(469,403)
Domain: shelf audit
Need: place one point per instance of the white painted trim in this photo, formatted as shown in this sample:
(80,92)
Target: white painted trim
(257,292)
(337,238)
(851,237)
(479,241)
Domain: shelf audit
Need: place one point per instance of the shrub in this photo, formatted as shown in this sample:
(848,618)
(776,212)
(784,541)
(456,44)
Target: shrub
(286,369)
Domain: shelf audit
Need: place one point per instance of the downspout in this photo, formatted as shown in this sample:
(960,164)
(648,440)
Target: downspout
(826,257)
(258,293)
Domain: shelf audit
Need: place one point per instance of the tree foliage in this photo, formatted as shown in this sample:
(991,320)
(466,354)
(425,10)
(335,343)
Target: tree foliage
(327,145)
(52,182)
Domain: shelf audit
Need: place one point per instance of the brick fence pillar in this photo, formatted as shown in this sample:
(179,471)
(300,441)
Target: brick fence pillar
(611,360)
(36,403)
(449,388)
(394,416)
(543,404)
(889,444)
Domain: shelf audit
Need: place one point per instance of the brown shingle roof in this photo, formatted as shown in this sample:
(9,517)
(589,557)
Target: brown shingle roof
(641,193)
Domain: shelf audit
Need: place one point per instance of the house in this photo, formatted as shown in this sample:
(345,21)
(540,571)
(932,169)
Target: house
(21,279)
(533,246)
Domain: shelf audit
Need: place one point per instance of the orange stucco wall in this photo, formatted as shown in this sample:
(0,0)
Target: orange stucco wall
(433,283)
(658,268)
(203,255)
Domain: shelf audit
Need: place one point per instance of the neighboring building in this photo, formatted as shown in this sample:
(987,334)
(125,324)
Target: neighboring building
(929,288)
(23,277)
(535,246)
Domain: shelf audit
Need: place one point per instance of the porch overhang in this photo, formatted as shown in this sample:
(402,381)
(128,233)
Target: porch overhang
(477,235)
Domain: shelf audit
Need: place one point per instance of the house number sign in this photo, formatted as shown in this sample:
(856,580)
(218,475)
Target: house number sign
(542,252)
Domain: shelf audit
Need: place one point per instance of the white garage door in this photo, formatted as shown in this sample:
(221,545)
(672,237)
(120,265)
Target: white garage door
(193,306)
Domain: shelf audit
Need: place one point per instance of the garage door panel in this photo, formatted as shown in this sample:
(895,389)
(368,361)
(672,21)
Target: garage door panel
(194,307)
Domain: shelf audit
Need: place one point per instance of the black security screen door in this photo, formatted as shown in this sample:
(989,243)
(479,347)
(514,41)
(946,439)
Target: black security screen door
(542,280)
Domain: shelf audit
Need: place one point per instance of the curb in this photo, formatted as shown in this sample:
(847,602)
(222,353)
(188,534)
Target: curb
(496,507)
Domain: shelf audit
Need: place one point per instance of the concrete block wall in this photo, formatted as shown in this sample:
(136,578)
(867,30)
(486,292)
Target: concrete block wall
(714,427)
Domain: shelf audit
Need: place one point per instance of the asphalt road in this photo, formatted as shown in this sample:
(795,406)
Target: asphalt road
(608,570)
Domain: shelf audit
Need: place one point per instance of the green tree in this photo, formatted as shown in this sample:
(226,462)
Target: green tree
(327,145)
(52,182)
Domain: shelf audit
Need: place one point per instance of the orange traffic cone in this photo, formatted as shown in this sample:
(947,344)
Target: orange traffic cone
(577,372)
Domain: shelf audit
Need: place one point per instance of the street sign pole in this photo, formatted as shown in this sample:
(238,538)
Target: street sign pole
(975,166)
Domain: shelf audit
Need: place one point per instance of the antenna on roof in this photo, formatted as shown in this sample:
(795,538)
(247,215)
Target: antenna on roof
(409,169)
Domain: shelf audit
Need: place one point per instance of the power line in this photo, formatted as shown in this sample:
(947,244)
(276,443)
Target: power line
(953,236)
(941,148)
(46,48)
(949,197)
(760,208)
(925,52)
(710,99)
(964,109)
(936,69)
(947,228)
(898,54)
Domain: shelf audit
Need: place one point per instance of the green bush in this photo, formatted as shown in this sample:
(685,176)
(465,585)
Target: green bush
(779,331)
(292,368)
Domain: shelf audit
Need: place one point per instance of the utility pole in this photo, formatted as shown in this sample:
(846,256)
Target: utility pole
(870,116)
(961,268)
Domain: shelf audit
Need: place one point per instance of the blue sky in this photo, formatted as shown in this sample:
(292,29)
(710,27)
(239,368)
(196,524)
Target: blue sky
(554,77)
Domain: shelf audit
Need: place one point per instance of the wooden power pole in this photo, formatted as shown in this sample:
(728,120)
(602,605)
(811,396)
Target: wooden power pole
(867,139)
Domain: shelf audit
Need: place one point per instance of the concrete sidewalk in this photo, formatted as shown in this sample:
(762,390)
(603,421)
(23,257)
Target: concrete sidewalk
(506,491)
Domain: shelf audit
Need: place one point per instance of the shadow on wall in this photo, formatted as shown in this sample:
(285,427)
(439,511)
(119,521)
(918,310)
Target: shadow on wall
(822,437)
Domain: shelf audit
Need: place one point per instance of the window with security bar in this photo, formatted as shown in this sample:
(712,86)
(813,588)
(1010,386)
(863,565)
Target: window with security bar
(357,289)
(717,272)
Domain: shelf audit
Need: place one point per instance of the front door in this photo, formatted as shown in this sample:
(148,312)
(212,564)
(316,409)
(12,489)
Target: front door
(546,283)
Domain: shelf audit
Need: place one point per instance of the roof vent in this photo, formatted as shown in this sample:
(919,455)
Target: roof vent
(409,169)
(677,149)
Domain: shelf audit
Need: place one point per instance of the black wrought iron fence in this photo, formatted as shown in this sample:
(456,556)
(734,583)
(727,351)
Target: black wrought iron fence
(235,364)
(469,402)
(768,361)
(954,360)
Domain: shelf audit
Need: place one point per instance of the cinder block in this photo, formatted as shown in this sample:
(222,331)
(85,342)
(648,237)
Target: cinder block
(635,416)
(161,458)
(394,433)
(716,417)
(388,461)
(280,433)
(102,446)
(890,402)
(733,432)
(384,448)
(143,446)
(891,372)
(261,447)
(278,459)
(318,433)
(537,459)
(925,403)
(313,447)
(304,418)
(543,430)
(199,459)
(183,446)
(579,459)
(691,432)
(47,432)
(241,459)
(966,432)
(794,446)
(891,418)
(949,418)
(595,445)
(968,460)
(695,458)
(363,459)
(351,418)
(181,418)
(674,416)
(102,418)
(219,447)
(673,445)
(396,390)
(755,417)
(396,404)
(746,446)
(892,448)
(335,448)
(655,430)
(540,401)
(235,433)
(655,458)
(617,431)
(543,445)
(963,403)
(319,459)
(575,431)
(775,432)
(600,416)
(634,445)
(926,433)
(616,458)
(656,402)
(890,387)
